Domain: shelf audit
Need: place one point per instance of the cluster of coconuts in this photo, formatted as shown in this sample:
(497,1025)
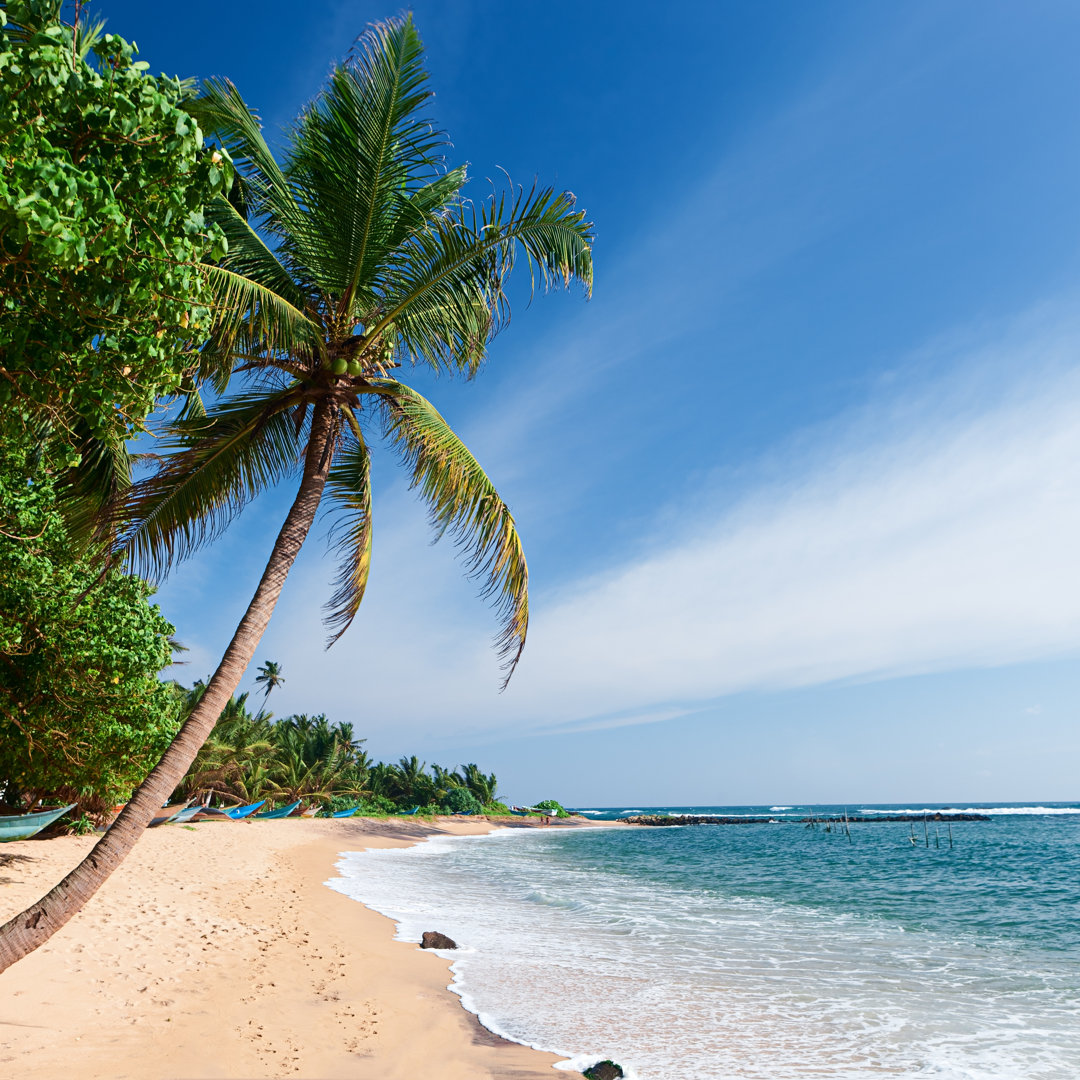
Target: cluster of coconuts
(341,366)
(354,368)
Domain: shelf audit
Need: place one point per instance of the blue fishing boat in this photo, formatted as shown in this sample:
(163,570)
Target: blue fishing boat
(281,812)
(23,826)
(346,813)
(238,812)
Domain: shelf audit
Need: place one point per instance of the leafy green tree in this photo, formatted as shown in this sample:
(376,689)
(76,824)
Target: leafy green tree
(372,258)
(104,182)
(83,714)
(382,780)
(460,800)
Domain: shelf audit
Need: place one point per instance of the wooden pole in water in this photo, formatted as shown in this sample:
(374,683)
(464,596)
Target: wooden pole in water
(937,835)
(847,827)
(950,836)
(926,831)
(912,824)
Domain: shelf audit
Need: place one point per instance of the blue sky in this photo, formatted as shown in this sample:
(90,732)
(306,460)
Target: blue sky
(800,485)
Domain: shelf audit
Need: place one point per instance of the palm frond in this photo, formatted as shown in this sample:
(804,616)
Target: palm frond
(216,465)
(222,113)
(358,150)
(350,484)
(101,477)
(249,255)
(445,293)
(252,318)
(463,501)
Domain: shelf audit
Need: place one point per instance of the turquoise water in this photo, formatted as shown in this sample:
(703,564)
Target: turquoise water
(764,951)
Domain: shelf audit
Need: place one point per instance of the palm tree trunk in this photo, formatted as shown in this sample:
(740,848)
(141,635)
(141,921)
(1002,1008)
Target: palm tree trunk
(34,926)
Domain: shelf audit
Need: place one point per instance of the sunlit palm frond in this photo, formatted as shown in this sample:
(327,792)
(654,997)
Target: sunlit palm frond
(357,152)
(258,317)
(350,485)
(249,254)
(216,466)
(463,501)
(222,113)
(445,296)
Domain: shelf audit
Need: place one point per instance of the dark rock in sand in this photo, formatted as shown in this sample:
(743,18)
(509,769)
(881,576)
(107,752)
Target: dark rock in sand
(432,939)
(603,1070)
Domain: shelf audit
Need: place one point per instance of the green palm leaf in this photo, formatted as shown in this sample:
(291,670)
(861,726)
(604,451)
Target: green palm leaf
(216,465)
(350,485)
(463,501)
(445,296)
(102,477)
(255,318)
(222,112)
(357,152)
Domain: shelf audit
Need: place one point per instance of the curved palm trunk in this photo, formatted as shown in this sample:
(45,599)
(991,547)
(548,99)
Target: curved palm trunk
(34,926)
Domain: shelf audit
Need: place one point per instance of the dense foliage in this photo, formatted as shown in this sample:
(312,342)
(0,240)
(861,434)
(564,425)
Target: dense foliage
(103,183)
(83,714)
(250,756)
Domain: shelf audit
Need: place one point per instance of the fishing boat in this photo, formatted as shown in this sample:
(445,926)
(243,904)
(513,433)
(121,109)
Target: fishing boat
(23,826)
(282,811)
(212,813)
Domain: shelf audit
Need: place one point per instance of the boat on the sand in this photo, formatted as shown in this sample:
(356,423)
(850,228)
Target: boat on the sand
(23,826)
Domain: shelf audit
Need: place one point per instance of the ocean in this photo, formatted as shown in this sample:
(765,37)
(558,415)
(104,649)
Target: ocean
(765,951)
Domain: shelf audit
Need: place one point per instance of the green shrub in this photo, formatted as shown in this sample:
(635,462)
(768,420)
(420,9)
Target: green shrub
(459,799)
(557,809)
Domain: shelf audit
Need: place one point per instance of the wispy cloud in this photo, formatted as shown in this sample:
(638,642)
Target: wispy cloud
(924,533)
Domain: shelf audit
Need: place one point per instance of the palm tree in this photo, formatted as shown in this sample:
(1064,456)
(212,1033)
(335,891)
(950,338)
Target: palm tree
(481,785)
(354,256)
(270,676)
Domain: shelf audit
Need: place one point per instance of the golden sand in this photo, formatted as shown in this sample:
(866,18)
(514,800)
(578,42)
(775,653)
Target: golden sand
(217,951)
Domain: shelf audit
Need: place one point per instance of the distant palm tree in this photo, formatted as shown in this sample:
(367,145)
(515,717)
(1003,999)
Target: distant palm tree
(270,676)
(412,781)
(481,785)
(354,256)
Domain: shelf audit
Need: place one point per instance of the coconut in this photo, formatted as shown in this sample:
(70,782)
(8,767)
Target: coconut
(355,368)
(339,367)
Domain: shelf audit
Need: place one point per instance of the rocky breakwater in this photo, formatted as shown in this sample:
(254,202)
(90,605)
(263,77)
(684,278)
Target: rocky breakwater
(692,819)
(708,819)
(937,815)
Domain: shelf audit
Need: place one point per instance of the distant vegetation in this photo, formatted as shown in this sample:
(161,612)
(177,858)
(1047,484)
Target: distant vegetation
(249,756)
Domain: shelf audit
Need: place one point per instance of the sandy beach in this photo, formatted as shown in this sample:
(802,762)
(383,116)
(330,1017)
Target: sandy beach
(216,951)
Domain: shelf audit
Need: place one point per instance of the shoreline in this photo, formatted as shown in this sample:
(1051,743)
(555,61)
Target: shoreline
(219,952)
